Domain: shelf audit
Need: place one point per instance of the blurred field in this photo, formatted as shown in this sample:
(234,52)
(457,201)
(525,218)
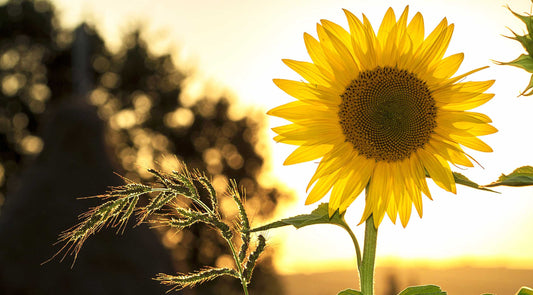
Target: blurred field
(455,281)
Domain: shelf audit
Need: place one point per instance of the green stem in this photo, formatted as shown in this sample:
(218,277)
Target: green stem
(239,267)
(369,257)
(193,198)
(355,244)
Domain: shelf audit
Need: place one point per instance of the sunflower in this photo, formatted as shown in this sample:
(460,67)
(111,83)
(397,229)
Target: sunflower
(383,112)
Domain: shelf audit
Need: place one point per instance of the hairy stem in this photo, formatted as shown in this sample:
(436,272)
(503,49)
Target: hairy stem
(239,267)
(369,257)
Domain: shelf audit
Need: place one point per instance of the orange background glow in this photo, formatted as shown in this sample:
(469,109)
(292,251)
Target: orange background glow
(235,47)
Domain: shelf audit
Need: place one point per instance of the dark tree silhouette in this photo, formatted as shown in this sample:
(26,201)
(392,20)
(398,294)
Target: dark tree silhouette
(137,95)
(392,287)
(25,46)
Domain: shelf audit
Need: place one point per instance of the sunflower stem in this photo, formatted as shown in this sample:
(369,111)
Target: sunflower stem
(356,246)
(369,257)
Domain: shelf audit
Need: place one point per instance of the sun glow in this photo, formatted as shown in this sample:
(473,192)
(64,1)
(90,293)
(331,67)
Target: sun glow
(473,227)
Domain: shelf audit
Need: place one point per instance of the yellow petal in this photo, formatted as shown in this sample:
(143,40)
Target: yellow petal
(346,57)
(285,140)
(472,142)
(361,170)
(321,188)
(392,212)
(419,174)
(338,31)
(311,94)
(450,151)
(416,197)
(359,41)
(462,76)
(307,153)
(469,104)
(338,157)
(317,55)
(477,129)
(429,51)
(318,134)
(415,29)
(438,170)
(297,111)
(389,20)
(342,75)
(307,70)
(405,210)
(339,187)
(402,21)
(378,189)
(448,66)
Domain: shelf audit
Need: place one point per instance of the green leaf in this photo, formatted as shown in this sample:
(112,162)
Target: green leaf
(318,216)
(423,290)
(463,180)
(350,292)
(525,291)
(523,61)
(519,177)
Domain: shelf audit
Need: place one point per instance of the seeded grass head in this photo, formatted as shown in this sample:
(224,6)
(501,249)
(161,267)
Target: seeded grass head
(382,111)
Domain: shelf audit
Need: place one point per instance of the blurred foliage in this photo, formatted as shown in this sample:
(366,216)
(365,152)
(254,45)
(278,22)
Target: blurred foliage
(525,291)
(26,49)
(421,290)
(138,94)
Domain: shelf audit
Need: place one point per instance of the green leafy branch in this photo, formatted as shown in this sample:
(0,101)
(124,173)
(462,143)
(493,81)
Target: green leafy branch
(169,194)
(524,61)
(522,176)
(318,216)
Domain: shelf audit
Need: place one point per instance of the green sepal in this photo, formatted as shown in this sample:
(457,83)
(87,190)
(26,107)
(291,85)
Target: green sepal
(526,42)
(463,180)
(529,87)
(522,176)
(523,61)
(525,291)
(423,290)
(350,292)
(318,216)
(527,19)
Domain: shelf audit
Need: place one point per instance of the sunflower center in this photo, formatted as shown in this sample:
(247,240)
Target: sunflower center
(387,114)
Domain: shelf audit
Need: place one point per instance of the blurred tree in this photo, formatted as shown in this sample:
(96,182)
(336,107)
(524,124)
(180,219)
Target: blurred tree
(26,45)
(138,95)
(392,285)
(36,70)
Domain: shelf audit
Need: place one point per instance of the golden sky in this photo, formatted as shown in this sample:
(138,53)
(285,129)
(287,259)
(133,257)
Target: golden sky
(239,44)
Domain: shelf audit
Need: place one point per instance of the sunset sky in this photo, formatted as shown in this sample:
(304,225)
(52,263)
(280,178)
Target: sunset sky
(235,47)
